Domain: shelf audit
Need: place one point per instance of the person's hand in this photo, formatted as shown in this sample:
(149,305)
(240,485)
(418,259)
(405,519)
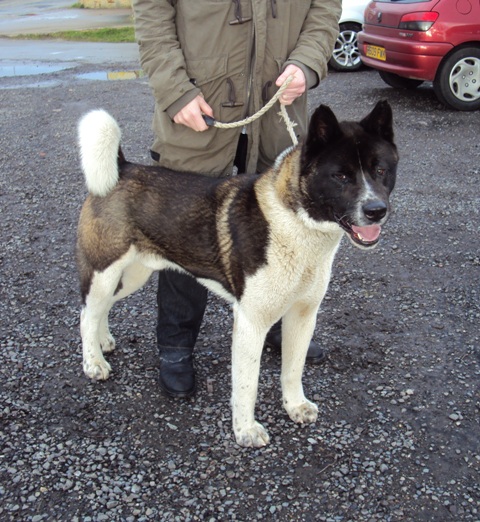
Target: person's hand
(295,88)
(191,114)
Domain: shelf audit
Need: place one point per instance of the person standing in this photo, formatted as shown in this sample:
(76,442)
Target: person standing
(224,59)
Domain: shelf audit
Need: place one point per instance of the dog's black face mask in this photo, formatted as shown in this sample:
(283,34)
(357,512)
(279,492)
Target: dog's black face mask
(349,171)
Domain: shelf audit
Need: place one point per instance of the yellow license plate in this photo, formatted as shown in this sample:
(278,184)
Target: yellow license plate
(374,51)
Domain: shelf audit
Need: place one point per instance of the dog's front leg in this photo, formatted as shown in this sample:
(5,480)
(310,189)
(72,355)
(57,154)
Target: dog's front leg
(247,345)
(297,331)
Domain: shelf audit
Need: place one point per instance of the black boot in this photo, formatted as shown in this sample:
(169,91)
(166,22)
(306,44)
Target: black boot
(181,305)
(177,375)
(315,354)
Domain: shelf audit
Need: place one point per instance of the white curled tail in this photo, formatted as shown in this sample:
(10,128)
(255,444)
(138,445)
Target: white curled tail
(99,139)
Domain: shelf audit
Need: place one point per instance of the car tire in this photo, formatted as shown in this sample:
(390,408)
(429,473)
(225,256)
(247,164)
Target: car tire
(457,82)
(346,56)
(399,82)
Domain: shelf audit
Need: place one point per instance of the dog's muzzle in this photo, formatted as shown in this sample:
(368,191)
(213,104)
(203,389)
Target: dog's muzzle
(366,233)
(375,211)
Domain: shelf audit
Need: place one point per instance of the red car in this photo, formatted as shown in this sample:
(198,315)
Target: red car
(412,41)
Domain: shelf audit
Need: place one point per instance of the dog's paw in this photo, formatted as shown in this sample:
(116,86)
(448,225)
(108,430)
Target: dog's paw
(108,343)
(304,413)
(97,370)
(255,436)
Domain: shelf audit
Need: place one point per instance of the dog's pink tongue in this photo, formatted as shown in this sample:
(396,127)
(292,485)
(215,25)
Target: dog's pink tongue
(369,233)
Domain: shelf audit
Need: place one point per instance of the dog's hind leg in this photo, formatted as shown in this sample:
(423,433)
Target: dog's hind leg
(298,325)
(133,277)
(247,345)
(107,341)
(105,288)
(92,321)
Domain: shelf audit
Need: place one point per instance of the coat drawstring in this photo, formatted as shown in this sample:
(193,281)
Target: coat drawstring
(238,14)
(232,97)
(273,3)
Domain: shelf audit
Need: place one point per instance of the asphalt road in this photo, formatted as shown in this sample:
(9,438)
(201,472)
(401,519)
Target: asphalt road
(37,16)
(46,16)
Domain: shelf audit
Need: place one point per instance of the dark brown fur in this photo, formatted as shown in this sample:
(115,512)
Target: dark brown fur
(124,217)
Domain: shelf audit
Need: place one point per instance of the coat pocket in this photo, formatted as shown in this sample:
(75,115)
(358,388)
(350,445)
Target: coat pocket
(210,76)
(205,70)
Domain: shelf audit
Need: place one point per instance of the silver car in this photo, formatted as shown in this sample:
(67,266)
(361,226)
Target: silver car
(346,56)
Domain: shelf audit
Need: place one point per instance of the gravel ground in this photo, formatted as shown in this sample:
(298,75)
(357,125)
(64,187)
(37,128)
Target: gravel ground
(397,435)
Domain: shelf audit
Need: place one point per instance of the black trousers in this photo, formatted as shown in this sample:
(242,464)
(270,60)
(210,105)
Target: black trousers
(181,306)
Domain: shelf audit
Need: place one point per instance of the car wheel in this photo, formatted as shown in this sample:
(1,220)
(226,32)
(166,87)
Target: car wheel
(345,56)
(457,83)
(399,82)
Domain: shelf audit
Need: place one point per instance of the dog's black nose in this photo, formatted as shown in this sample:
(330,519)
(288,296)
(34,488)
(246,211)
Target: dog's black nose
(375,210)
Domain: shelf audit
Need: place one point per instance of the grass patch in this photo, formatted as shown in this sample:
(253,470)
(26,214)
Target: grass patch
(107,35)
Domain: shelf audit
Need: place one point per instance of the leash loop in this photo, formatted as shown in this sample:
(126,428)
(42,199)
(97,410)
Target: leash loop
(283,113)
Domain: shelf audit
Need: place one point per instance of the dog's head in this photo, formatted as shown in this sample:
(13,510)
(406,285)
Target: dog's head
(348,171)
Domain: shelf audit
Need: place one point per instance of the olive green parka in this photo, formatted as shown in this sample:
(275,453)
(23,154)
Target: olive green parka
(231,52)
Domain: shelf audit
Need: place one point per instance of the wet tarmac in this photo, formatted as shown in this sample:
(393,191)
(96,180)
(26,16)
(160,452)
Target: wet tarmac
(30,57)
(15,69)
(46,16)
(54,51)
(10,69)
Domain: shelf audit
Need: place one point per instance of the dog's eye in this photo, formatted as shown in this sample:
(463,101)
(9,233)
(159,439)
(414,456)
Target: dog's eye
(380,171)
(340,176)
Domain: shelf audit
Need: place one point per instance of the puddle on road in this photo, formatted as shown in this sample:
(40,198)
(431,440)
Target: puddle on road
(112,75)
(17,70)
(13,69)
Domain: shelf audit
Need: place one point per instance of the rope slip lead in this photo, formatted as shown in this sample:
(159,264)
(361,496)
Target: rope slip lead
(283,113)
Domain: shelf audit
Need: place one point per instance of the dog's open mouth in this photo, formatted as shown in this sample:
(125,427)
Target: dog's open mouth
(364,236)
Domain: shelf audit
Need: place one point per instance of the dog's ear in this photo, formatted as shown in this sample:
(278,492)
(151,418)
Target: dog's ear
(323,129)
(380,121)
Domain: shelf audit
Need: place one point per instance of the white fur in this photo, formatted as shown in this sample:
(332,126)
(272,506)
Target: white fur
(290,286)
(99,138)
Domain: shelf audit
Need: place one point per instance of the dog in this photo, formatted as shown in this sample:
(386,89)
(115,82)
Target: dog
(264,242)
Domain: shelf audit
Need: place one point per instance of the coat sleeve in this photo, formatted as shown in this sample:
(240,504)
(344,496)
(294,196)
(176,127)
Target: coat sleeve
(161,56)
(317,39)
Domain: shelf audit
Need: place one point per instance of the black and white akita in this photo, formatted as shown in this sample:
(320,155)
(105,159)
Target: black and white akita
(266,243)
